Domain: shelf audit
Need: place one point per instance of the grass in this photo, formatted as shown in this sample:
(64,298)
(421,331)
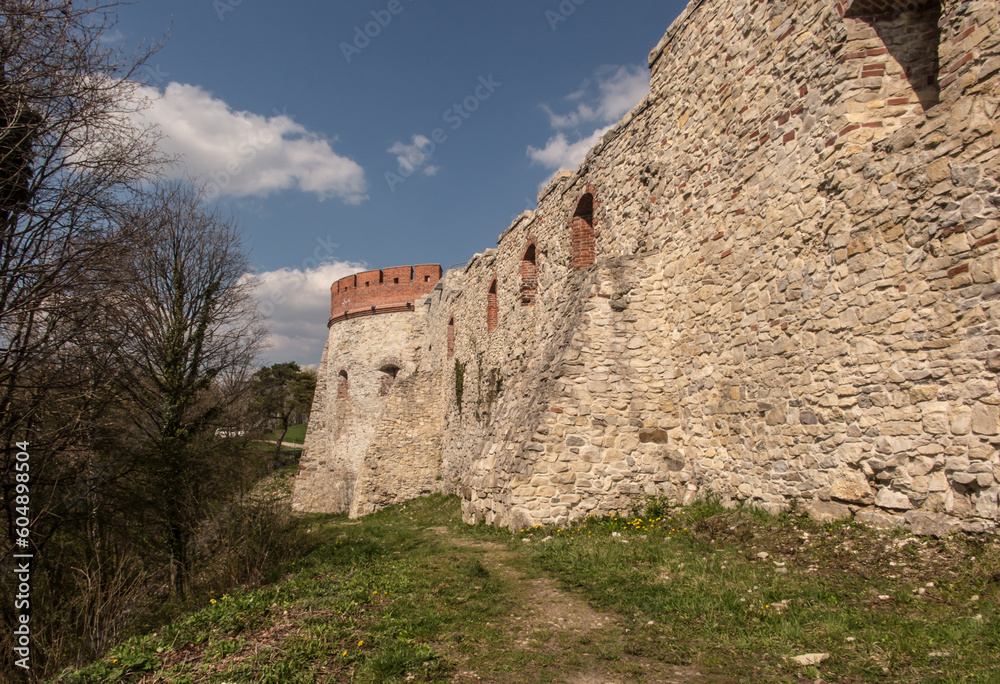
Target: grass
(713,586)
(296,434)
(412,594)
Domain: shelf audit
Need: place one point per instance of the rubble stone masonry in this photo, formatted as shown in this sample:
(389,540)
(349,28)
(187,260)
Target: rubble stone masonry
(774,281)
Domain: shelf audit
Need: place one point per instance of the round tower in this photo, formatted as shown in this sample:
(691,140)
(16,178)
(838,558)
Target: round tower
(372,342)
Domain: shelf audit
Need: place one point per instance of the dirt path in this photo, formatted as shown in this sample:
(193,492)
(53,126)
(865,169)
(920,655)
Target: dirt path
(560,626)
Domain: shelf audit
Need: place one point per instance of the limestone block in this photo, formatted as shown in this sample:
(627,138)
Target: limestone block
(887,498)
(985,419)
(613,456)
(920,466)
(923,393)
(826,511)
(851,486)
(877,518)
(931,524)
(963,478)
(961,420)
(849,453)
(936,420)
(986,504)
(938,482)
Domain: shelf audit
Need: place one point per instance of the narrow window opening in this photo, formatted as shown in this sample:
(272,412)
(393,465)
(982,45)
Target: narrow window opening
(582,233)
(343,386)
(491,307)
(529,277)
(389,374)
(451,338)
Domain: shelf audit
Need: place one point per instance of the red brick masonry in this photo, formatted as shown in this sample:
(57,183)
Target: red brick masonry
(386,290)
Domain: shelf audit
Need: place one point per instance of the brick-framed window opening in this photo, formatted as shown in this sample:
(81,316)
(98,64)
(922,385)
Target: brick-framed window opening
(909,43)
(491,307)
(582,233)
(529,276)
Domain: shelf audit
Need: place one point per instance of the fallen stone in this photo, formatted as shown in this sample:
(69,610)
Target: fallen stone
(811,658)
(826,511)
(877,518)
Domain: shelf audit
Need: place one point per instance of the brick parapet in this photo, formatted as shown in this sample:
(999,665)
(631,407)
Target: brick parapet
(388,290)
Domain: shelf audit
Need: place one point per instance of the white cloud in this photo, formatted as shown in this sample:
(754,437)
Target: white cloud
(615,91)
(559,153)
(241,153)
(618,89)
(414,156)
(621,90)
(296,302)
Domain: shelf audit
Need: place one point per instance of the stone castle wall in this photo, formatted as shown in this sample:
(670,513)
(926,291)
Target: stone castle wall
(775,280)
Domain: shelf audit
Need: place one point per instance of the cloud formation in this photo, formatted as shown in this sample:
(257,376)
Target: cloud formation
(614,91)
(240,153)
(414,156)
(296,302)
(560,154)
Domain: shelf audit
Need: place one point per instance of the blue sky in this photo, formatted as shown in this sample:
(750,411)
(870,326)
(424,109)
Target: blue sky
(383,132)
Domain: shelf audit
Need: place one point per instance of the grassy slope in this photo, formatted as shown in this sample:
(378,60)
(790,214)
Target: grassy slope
(296,434)
(412,594)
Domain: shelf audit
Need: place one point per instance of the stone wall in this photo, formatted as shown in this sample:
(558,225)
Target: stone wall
(774,280)
(363,359)
(403,459)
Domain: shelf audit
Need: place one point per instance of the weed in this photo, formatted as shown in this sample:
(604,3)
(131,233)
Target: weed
(407,594)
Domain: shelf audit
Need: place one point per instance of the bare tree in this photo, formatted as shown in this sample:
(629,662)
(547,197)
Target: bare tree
(69,152)
(191,337)
(70,156)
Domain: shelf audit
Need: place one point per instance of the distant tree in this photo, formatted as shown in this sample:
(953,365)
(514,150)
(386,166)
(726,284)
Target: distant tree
(192,335)
(283,392)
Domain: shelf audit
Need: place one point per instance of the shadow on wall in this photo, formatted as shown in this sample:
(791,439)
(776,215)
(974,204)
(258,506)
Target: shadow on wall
(917,56)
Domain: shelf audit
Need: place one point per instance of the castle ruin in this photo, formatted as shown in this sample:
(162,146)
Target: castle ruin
(776,280)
